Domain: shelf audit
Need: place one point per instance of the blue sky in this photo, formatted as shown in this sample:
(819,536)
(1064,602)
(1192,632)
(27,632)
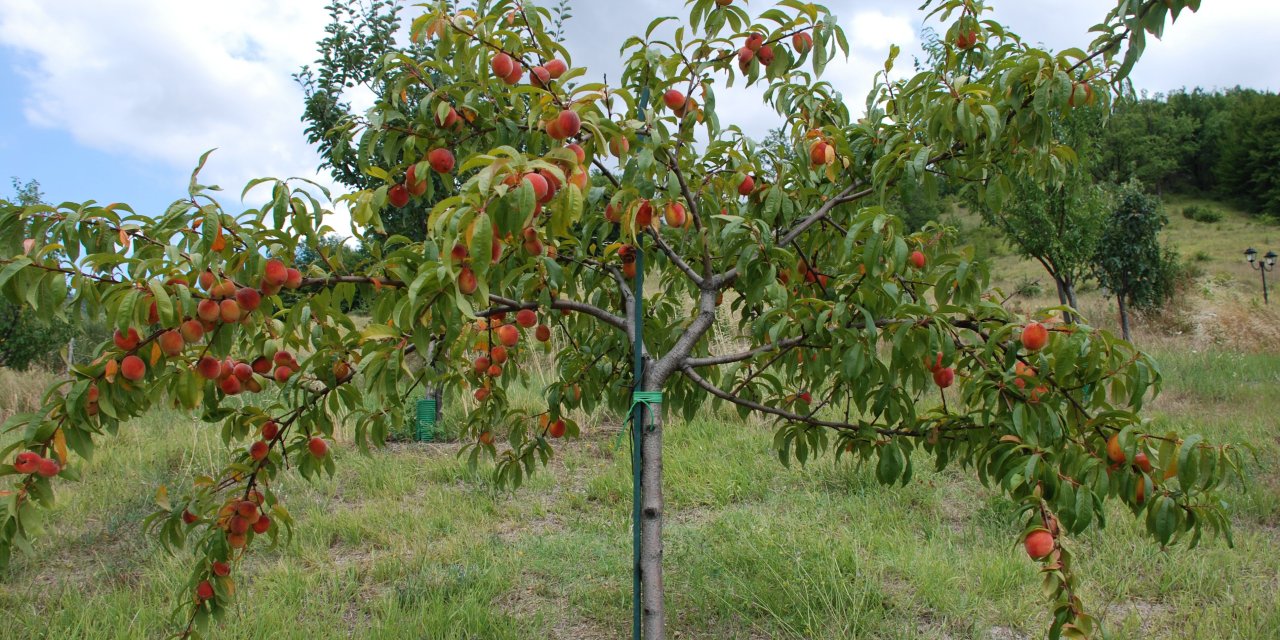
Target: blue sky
(115,101)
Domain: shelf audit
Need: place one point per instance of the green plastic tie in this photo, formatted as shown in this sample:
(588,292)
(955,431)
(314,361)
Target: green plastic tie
(646,398)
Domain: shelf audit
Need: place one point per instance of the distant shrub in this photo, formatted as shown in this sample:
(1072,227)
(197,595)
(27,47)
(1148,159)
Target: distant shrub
(1202,256)
(1201,213)
(1028,288)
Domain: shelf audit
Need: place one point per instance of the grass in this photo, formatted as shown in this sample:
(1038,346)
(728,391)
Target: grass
(407,543)
(408,539)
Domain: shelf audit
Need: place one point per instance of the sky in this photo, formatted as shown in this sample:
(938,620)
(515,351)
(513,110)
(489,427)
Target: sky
(115,101)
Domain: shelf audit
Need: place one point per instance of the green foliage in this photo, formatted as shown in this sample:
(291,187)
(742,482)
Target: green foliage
(845,330)
(1202,213)
(1130,261)
(1225,143)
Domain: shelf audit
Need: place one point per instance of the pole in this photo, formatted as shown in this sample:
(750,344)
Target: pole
(637,428)
(1265,300)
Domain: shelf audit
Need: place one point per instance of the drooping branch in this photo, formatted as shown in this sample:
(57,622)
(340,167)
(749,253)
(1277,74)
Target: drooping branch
(791,416)
(507,304)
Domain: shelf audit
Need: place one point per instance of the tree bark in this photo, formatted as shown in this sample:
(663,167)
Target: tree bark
(654,620)
(1066,296)
(1124,317)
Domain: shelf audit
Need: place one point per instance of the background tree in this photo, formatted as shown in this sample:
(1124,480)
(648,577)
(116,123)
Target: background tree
(26,339)
(853,334)
(1130,263)
(1147,140)
(1059,226)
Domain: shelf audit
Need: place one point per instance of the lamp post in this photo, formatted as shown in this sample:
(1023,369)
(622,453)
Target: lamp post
(1268,263)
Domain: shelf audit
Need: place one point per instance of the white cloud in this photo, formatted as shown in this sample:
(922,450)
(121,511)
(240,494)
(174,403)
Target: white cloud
(165,81)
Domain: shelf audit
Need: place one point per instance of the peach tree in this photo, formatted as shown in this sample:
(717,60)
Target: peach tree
(854,336)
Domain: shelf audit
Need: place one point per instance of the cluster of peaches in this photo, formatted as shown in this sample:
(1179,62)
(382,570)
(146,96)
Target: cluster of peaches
(489,364)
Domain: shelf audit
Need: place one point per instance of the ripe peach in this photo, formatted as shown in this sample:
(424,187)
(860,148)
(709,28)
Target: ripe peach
(644,214)
(944,377)
(514,77)
(556,429)
(539,76)
(556,68)
(317,446)
(1034,336)
(494,371)
(966,40)
(673,99)
(171,343)
(486,438)
(611,214)
(230,385)
(259,450)
(398,196)
(189,518)
(133,368)
(747,185)
(261,364)
(204,590)
(229,311)
(619,146)
(755,41)
(283,357)
(481,365)
(192,331)
(269,430)
(580,179)
(294,280)
(262,525)
(248,299)
(538,184)
(482,394)
(282,374)
(802,42)
(221,569)
(209,368)
(441,160)
(917,259)
(242,371)
(526,318)
(341,370)
(765,54)
(499,354)
(92,394)
(745,55)
(208,310)
(569,123)
(459,253)
(578,151)
(275,272)
(415,186)
(237,540)
(1039,544)
(675,215)
(542,333)
(226,368)
(467,282)
(48,467)
(127,341)
(502,66)
(508,335)
(237,524)
(1114,450)
(27,462)
(1140,459)
(153,314)
(450,120)
(629,270)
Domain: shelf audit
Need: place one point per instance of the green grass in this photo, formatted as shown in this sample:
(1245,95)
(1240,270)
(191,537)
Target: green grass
(406,543)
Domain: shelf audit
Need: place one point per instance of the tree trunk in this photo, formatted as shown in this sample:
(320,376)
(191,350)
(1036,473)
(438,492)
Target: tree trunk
(1124,317)
(654,621)
(1070,288)
(1066,296)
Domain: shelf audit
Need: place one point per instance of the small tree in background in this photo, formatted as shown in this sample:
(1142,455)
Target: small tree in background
(1130,263)
(1059,225)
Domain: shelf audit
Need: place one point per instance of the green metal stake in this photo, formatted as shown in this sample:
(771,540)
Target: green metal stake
(637,426)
